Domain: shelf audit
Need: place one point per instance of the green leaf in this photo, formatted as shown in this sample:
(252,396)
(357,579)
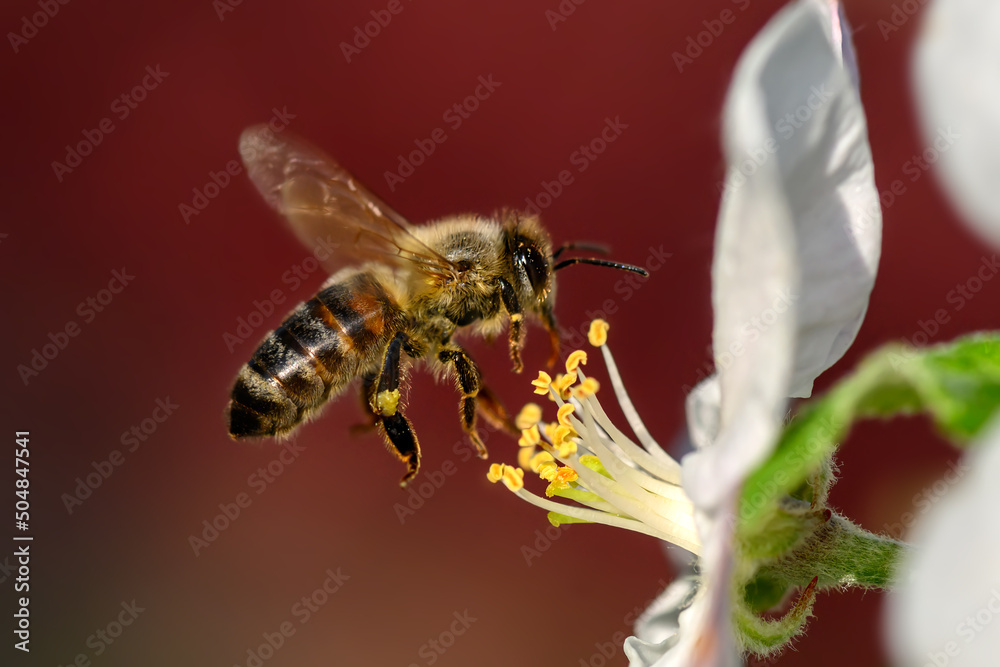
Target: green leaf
(957,384)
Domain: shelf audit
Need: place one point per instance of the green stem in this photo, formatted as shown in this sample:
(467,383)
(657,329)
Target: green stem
(842,555)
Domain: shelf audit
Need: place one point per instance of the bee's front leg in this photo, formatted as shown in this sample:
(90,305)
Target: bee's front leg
(384,403)
(516,331)
(469,383)
(549,322)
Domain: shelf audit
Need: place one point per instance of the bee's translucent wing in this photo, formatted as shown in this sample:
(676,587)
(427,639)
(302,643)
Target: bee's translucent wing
(326,205)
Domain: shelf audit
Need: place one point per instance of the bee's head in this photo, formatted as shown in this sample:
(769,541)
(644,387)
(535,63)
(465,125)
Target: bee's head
(530,251)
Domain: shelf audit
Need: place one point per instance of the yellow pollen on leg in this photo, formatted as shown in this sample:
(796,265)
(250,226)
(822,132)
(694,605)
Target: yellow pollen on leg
(598,334)
(574,360)
(529,416)
(386,402)
(542,383)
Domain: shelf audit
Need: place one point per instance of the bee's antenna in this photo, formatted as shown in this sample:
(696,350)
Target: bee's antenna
(600,262)
(581,245)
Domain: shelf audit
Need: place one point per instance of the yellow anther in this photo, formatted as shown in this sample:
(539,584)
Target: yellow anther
(539,461)
(387,401)
(524,457)
(565,410)
(559,480)
(574,360)
(530,437)
(598,334)
(566,475)
(513,478)
(542,383)
(529,415)
(561,434)
(566,449)
(562,383)
(587,388)
(550,431)
(496,472)
(563,441)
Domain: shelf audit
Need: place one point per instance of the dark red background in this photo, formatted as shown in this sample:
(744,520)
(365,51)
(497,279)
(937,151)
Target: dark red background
(334,507)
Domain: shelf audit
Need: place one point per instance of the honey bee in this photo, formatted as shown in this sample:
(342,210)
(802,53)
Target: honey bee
(411,288)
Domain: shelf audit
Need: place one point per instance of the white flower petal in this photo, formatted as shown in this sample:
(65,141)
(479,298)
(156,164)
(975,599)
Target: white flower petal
(957,65)
(687,627)
(656,630)
(947,611)
(702,408)
(798,236)
(839,32)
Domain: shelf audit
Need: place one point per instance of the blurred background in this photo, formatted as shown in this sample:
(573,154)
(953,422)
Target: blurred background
(410,576)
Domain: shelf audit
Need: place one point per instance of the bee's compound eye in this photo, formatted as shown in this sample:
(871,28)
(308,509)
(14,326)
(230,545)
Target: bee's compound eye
(535,266)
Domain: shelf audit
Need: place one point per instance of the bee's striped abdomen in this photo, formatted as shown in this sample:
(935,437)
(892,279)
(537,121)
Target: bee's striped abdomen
(324,344)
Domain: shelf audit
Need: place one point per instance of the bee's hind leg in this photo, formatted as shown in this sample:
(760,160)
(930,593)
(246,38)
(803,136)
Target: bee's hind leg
(493,411)
(383,400)
(469,383)
(367,400)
